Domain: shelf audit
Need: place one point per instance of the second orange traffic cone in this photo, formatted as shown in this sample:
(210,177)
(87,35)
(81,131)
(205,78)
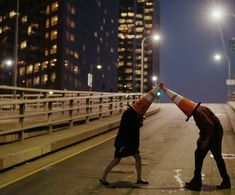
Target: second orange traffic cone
(187,106)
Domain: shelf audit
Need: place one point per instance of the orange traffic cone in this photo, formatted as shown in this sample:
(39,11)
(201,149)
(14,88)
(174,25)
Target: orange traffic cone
(142,105)
(187,106)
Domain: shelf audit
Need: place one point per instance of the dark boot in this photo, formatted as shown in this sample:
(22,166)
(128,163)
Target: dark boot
(194,184)
(225,184)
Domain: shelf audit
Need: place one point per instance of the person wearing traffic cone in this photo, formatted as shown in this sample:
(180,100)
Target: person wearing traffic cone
(128,137)
(210,138)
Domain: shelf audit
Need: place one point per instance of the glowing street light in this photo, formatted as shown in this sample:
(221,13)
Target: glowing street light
(99,66)
(217,14)
(217,57)
(154,37)
(8,62)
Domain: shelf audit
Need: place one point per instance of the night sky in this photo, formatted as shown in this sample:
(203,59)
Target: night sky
(189,40)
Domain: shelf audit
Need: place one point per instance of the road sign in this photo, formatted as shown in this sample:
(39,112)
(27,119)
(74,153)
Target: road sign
(89,80)
(230,82)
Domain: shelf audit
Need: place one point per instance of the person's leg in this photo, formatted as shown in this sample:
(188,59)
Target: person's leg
(112,164)
(216,151)
(196,182)
(138,165)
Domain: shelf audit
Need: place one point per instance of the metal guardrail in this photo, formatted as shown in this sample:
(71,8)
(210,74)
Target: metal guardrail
(34,112)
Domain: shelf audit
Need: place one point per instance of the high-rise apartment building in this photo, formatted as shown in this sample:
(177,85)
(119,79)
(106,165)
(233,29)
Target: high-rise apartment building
(138,19)
(60,43)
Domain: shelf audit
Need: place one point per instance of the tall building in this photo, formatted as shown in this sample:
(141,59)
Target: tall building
(60,44)
(138,19)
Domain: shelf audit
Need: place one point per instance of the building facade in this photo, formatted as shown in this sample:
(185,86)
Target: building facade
(138,19)
(60,43)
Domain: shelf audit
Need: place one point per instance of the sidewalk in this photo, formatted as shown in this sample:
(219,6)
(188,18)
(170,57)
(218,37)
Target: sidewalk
(18,152)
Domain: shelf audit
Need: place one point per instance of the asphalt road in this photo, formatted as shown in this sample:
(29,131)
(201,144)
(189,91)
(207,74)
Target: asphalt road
(167,149)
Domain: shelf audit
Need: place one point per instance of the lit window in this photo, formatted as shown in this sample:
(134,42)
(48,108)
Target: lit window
(130,14)
(48,9)
(72,24)
(44,78)
(24,19)
(73,11)
(36,67)
(29,30)
(47,35)
(123,14)
(104,21)
(22,71)
(53,49)
(36,80)
(148,17)
(45,65)
(29,69)
(23,44)
(0,30)
(75,70)
(66,63)
(53,62)
(72,37)
(53,77)
(95,34)
(54,6)
(54,20)
(54,34)
(0,18)
(47,23)
(46,52)
(12,14)
(76,55)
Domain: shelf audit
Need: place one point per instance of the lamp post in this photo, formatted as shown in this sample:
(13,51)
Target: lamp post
(218,57)
(16,48)
(155,37)
(154,78)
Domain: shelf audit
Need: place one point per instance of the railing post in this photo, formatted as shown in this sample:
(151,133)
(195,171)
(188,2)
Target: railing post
(49,116)
(87,110)
(71,112)
(100,107)
(111,105)
(21,121)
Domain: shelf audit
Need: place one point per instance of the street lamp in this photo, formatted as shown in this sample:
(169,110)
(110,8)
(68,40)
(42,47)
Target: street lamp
(154,78)
(8,62)
(155,37)
(218,57)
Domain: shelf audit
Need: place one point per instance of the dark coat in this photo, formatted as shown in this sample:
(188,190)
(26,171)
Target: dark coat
(211,130)
(129,130)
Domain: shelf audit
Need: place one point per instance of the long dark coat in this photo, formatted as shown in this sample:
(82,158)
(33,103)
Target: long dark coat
(128,137)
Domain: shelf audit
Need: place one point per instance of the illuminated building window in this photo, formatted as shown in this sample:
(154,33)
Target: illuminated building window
(45,65)
(76,55)
(5,28)
(36,80)
(23,44)
(84,47)
(24,19)
(47,35)
(75,70)
(104,21)
(112,50)
(112,20)
(139,29)
(36,67)
(95,34)
(47,25)
(101,28)
(0,30)
(148,17)
(72,37)
(123,14)
(130,14)
(53,62)
(66,63)
(44,78)
(53,49)
(12,14)
(148,26)
(73,11)
(0,18)
(54,20)
(29,69)
(46,52)
(72,24)
(29,30)
(48,9)
(139,16)
(54,6)
(22,71)
(121,21)
(53,77)
(54,34)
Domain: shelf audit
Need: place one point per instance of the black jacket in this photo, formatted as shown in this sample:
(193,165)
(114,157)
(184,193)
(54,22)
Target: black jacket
(129,130)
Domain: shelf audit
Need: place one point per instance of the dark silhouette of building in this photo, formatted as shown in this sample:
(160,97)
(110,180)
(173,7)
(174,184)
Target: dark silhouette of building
(59,43)
(137,19)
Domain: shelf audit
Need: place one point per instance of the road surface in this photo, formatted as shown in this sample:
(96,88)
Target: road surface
(167,149)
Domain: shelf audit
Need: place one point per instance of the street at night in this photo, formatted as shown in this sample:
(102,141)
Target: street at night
(167,148)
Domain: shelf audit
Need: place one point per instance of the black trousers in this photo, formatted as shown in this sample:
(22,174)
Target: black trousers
(215,146)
